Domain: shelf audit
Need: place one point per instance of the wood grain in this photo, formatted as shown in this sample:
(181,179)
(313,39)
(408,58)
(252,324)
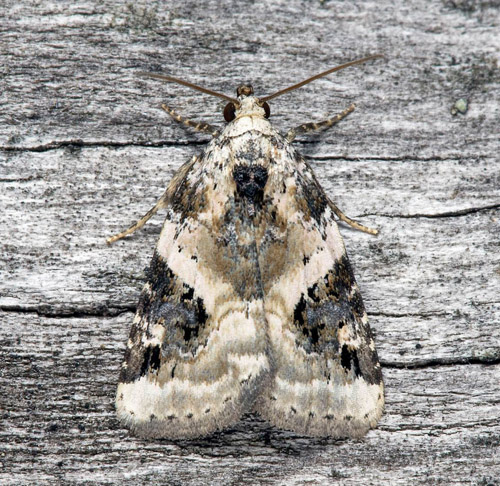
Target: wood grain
(85,150)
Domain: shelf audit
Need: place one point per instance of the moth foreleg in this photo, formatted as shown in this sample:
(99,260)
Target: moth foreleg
(198,126)
(139,224)
(314,126)
(351,222)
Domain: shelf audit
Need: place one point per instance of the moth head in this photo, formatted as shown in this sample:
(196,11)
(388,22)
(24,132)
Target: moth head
(246,103)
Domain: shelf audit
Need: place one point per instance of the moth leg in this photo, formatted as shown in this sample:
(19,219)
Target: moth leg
(139,224)
(351,222)
(311,127)
(198,126)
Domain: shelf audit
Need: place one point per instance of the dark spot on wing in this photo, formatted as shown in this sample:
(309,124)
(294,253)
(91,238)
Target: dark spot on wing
(299,316)
(357,303)
(188,294)
(316,201)
(174,306)
(349,360)
(311,191)
(324,308)
(330,304)
(151,360)
(188,199)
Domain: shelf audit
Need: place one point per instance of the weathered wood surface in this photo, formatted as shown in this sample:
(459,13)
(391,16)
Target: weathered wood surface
(85,151)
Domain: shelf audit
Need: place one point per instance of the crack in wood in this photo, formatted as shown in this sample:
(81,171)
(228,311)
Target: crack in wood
(388,158)
(440,362)
(45,311)
(446,214)
(83,144)
(20,179)
(409,314)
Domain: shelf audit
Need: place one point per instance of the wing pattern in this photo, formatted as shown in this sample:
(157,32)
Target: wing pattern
(328,380)
(250,304)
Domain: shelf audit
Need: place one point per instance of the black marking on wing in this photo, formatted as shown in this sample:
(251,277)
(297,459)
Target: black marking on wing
(316,201)
(325,308)
(349,359)
(176,307)
(184,200)
(311,191)
(151,360)
(172,302)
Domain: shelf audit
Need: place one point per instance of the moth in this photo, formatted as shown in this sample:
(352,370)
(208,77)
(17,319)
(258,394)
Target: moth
(250,303)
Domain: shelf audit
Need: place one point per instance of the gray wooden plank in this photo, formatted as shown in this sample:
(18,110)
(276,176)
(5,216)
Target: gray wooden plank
(85,150)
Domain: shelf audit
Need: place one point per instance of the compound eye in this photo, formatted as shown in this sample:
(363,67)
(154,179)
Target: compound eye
(266,109)
(229,112)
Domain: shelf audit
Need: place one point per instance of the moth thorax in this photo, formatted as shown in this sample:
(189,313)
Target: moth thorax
(250,182)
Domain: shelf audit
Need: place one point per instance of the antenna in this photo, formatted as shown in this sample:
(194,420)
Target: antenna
(302,83)
(170,79)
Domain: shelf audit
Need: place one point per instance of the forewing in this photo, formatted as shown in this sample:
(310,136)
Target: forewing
(328,380)
(197,352)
